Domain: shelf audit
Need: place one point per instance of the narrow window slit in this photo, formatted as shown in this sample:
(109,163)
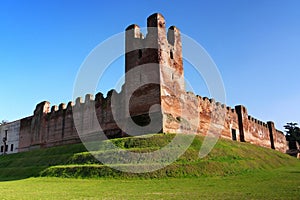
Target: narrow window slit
(171,54)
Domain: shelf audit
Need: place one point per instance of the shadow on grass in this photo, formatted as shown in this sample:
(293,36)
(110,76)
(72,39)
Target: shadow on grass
(7,179)
(294,172)
(15,173)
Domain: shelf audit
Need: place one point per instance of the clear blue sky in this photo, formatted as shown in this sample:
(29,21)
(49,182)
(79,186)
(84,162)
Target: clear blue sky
(255,44)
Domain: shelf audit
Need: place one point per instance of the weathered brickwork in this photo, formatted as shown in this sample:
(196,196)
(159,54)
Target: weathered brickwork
(154,90)
(9,134)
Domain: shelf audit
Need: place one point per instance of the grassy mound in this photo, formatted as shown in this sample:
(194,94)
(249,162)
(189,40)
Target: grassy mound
(30,164)
(226,158)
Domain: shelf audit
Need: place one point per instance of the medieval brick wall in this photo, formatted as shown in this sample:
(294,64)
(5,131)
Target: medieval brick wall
(280,142)
(25,134)
(154,87)
(56,127)
(257,132)
(10,133)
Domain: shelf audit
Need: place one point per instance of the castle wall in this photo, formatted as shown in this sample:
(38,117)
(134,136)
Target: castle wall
(69,130)
(56,127)
(204,116)
(184,112)
(59,127)
(231,125)
(280,141)
(25,134)
(107,111)
(215,119)
(11,132)
(257,132)
(154,92)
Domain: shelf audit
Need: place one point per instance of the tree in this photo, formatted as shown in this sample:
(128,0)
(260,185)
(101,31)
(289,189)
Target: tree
(293,135)
(3,122)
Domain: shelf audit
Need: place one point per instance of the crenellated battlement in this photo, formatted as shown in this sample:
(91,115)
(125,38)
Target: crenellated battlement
(79,102)
(256,121)
(214,103)
(70,105)
(156,47)
(54,109)
(62,107)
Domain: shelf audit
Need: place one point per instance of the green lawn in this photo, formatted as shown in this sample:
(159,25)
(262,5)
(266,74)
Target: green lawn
(226,158)
(281,183)
(232,170)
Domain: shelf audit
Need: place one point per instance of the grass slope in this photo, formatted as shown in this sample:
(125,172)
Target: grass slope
(30,164)
(280,183)
(226,158)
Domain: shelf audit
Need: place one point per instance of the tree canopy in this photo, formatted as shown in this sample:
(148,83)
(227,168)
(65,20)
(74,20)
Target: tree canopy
(292,134)
(3,122)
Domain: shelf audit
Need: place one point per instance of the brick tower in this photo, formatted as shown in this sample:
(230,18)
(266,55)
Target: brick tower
(154,73)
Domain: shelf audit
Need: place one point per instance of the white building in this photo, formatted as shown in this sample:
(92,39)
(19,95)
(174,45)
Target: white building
(9,137)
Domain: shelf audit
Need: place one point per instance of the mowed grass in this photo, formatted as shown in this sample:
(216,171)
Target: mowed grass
(281,183)
(73,161)
(232,170)
(29,164)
